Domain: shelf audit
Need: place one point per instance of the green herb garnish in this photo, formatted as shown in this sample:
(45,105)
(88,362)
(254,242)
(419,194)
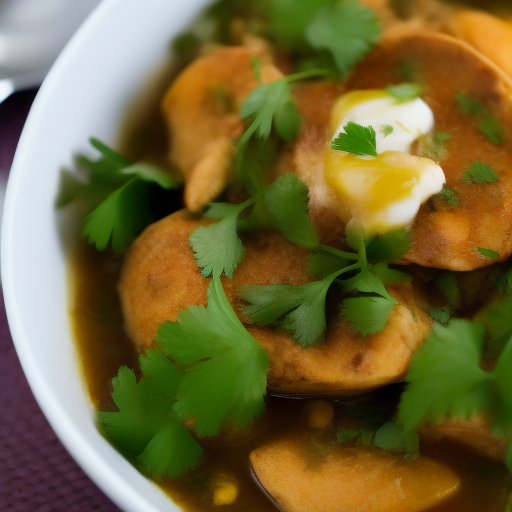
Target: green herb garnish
(479,173)
(488,253)
(450,197)
(225,367)
(117,193)
(405,92)
(488,124)
(356,139)
(346,30)
(146,426)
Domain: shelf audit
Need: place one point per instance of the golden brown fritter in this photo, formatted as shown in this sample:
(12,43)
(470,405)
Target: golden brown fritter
(349,479)
(201,110)
(160,278)
(443,237)
(474,433)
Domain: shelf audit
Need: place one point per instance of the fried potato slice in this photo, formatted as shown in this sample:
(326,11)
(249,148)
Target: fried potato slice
(201,111)
(474,433)
(443,236)
(490,35)
(160,278)
(349,479)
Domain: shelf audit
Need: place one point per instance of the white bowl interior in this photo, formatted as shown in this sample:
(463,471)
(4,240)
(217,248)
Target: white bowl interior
(86,94)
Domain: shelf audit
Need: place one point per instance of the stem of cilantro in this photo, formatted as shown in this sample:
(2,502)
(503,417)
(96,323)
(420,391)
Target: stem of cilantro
(341,254)
(303,75)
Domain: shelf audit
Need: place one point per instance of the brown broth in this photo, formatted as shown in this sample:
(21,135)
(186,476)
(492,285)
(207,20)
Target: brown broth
(103,347)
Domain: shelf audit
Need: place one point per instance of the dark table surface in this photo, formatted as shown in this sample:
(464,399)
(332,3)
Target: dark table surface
(36,472)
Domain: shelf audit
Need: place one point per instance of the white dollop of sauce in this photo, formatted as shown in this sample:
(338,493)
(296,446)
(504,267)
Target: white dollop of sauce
(383,192)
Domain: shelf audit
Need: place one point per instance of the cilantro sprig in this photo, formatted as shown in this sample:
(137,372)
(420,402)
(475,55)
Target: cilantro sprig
(445,379)
(345,30)
(115,192)
(282,207)
(209,369)
(225,367)
(145,425)
(301,309)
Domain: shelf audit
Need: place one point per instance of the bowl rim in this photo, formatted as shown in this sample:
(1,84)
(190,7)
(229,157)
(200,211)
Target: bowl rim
(94,463)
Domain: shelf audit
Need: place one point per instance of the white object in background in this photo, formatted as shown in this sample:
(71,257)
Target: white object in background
(32,34)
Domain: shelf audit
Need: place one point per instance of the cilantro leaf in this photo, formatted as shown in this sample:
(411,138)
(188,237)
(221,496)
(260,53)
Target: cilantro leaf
(270,105)
(497,318)
(225,367)
(446,283)
(217,248)
(346,30)
(356,139)
(479,173)
(368,314)
(470,107)
(488,253)
(299,309)
(116,195)
(282,207)
(145,425)
(405,92)
(441,316)
(120,217)
(488,124)
(444,377)
(388,246)
(388,275)
(390,437)
(433,146)
(491,128)
(450,197)
(386,129)
(289,20)
(325,264)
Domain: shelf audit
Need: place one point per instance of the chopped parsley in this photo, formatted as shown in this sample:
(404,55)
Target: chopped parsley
(488,253)
(301,309)
(405,92)
(450,197)
(479,172)
(356,139)
(433,145)
(386,129)
(488,124)
(225,367)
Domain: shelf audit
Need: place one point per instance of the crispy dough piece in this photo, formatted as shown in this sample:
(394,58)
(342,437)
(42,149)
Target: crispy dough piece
(487,33)
(350,479)
(201,111)
(443,237)
(160,278)
(474,433)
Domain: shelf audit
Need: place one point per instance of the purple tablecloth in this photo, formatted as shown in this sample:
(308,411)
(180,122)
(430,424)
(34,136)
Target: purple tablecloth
(36,472)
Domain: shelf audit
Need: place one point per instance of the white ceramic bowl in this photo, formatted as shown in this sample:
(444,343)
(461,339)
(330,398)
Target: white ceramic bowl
(86,94)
